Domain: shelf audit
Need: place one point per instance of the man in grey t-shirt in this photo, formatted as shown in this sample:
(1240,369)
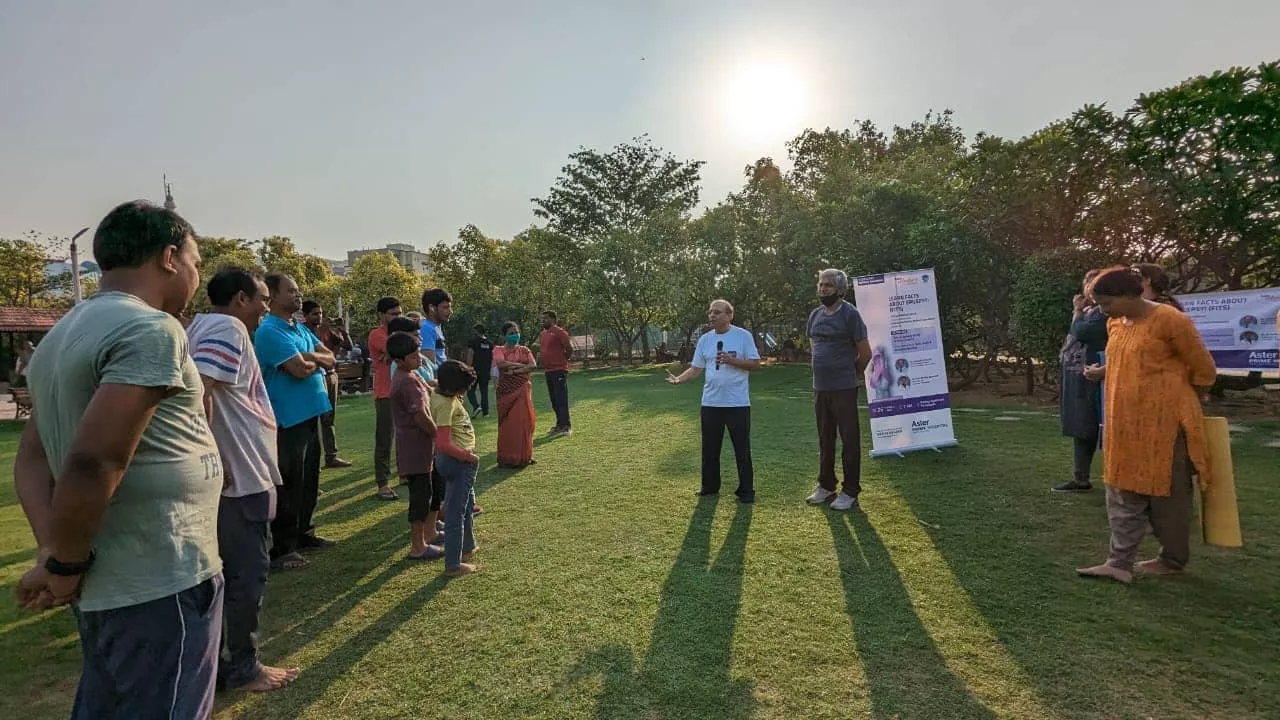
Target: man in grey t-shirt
(119,476)
(838,342)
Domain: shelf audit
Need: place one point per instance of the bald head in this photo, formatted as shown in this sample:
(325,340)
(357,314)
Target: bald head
(720,314)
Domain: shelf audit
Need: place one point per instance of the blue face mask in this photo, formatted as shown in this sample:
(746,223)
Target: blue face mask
(514,338)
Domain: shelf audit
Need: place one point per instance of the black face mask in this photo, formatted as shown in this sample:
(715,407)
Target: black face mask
(829,300)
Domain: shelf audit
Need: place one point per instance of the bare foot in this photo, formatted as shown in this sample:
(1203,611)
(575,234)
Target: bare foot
(1155,566)
(1106,571)
(271,678)
(462,569)
(467,556)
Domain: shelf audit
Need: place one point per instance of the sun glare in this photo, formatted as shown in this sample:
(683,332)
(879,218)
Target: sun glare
(765,101)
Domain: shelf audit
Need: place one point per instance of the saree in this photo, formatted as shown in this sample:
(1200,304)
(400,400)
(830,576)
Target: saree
(515,411)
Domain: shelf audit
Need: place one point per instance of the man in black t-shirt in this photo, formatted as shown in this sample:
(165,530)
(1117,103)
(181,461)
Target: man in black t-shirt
(480,357)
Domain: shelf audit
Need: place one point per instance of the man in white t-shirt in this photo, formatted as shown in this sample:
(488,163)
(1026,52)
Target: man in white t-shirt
(727,356)
(240,415)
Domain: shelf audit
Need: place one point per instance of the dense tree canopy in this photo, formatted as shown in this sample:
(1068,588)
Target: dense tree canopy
(1188,177)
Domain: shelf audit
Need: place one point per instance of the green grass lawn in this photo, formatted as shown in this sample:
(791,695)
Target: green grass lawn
(607,591)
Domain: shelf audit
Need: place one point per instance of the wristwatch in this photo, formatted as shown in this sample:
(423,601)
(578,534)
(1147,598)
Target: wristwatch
(68,569)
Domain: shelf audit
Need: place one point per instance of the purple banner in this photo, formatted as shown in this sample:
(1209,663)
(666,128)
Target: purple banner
(914,340)
(1245,359)
(908,405)
(871,280)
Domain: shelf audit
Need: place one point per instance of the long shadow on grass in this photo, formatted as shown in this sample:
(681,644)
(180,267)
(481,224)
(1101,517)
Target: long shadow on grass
(906,675)
(686,670)
(988,523)
(315,679)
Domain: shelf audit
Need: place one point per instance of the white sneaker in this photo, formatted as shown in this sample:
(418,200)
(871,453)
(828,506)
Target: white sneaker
(844,502)
(819,496)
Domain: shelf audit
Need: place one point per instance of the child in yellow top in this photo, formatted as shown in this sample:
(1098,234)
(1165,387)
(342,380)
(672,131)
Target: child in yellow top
(457,463)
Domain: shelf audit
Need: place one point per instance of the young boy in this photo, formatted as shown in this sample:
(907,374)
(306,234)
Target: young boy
(456,461)
(415,433)
(426,369)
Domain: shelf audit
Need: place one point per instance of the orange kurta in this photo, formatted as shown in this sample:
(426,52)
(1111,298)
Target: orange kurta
(1153,367)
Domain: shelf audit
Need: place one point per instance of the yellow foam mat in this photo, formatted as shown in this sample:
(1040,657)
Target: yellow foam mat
(1218,509)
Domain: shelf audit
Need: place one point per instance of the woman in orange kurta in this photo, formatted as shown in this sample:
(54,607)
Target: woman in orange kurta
(515,400)
(1153,438)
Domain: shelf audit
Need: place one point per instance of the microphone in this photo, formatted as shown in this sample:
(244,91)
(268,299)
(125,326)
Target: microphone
(719,349)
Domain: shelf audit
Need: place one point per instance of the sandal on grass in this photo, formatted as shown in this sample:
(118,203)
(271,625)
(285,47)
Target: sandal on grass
(290,561)
(433,552)
(386,493)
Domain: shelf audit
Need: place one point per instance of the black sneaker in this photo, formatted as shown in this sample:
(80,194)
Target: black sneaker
(1072,486)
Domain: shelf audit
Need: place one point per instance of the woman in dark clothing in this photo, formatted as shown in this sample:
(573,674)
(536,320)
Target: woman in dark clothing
(1156,285)
(1081,399)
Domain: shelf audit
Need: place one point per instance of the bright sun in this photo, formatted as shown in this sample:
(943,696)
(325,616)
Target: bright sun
(765,101)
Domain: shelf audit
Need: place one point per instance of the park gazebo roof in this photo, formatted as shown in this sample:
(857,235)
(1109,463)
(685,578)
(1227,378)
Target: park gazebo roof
(28,320)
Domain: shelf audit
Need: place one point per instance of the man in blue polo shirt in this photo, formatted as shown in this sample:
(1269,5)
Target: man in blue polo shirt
(294,362)
(437,308)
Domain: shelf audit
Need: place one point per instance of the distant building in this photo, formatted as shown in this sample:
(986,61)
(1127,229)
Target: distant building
(407,255)
(55,270)
(339,267)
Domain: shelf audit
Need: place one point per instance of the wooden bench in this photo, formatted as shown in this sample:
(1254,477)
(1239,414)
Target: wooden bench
(351,378)
(21,402)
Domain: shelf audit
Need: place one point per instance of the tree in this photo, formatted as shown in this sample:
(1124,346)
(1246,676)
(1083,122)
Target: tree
(760,251)
(1042,293)
(827,164)
(22,271)
(623,280)
(374,276)
(217,253)
(599,193)
(473,271)
(623,212)
(1210,148)
(278,254)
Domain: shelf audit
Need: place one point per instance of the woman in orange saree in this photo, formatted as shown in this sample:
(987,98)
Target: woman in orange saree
(515,400)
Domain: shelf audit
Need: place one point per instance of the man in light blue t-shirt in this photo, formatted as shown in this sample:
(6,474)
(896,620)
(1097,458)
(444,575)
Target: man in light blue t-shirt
(727,356)
(294,362)
(120,478)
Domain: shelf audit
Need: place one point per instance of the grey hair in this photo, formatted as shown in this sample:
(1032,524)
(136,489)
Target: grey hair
(839,277)
(728,305)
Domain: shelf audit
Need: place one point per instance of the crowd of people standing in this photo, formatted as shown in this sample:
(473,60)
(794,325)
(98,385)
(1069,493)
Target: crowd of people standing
(168,469)
(171,466)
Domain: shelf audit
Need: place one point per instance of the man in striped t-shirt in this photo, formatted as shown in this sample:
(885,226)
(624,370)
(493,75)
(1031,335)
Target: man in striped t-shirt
(240,415)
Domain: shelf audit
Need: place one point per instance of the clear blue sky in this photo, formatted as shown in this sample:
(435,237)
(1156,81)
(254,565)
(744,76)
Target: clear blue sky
(348,125)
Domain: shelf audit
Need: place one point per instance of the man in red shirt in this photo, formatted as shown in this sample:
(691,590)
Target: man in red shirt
(554,351)
(336,339)
(388,309)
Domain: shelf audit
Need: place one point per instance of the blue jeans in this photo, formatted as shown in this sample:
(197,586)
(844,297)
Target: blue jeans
(459,497)
(155,660)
